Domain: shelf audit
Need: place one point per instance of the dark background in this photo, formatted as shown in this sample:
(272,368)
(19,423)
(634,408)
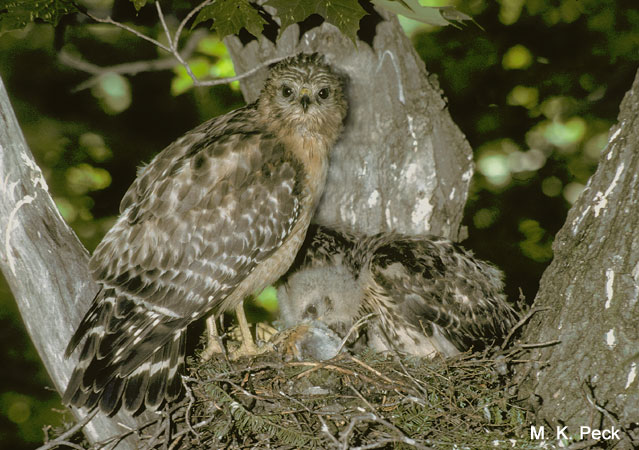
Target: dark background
(535,90)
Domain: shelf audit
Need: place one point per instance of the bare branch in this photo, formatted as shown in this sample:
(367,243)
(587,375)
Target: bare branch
(62,439)
(188,17)
(540,344)
(521,322)
(123,69)
(160,64)
(110,21)
(354,328)
(240,76)
(172,44)
(131,68)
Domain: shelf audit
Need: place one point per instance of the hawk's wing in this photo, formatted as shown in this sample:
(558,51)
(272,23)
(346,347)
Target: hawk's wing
(436,281)
(200,217)
(198,220)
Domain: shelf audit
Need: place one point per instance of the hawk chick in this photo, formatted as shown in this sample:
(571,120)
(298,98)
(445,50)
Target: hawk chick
(427,295)
(216,216)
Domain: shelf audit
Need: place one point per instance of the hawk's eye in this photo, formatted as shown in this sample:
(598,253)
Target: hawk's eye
(323,93)
(311,311)
(286,91)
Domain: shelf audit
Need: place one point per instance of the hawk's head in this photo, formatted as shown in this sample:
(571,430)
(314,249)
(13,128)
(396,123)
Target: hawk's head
(302,92)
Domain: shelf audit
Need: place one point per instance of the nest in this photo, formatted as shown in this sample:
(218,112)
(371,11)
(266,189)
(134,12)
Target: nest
(363,401)
(358,402)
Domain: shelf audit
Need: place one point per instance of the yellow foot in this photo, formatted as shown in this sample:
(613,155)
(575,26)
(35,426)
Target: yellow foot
(263,333)
(250,350)
(213,345)
(246,347)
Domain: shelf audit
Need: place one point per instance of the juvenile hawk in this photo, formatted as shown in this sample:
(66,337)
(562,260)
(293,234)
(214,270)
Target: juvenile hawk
(216,216)
(427,295)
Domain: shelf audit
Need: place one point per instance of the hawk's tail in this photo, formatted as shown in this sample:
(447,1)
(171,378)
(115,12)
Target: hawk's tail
(132,356)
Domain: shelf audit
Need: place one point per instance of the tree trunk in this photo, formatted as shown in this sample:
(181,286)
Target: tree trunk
(591,378)
(44,264)
(401,164)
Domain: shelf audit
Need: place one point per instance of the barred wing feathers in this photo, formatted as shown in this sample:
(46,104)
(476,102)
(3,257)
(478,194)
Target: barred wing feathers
(437,283)
(196,222)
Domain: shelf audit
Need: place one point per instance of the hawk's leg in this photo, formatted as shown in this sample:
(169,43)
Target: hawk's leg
(214,344)
(248,346)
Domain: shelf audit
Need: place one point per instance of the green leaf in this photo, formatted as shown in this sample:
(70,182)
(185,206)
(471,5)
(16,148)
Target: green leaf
(344,14)
(432,15)
(230,16)
(413,10)
(138,4)
(16,14)
(291,12)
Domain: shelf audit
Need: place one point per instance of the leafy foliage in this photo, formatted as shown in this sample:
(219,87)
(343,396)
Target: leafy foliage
(344,14)
(230,16)
(16,14)
(139,4)
(414,10)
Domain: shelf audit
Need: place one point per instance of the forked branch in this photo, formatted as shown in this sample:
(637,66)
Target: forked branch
(177,56)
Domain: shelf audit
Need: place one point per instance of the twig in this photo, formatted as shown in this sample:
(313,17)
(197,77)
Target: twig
(604,411)
(115,440)
(188,17)
(324,429)
(361,321)
(327,432)
(187,414)
(376,417)
(540,344)
(172,45)
(175,442)
(525,319)
(320,365)
(413,380)
(62,439)
(241,76)
(172,48)
(158,432)
(201,424)
(376,372)
(110,21)
(132,68)
(345,435)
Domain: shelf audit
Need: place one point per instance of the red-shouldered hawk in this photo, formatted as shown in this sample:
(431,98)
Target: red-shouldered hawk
(215,217)
(427,295)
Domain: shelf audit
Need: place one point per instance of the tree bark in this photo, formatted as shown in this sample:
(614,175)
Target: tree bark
(591,290)
(45,265)
(401,164)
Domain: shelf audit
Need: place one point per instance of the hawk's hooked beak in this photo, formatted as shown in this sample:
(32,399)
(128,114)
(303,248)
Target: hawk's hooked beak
(306,99)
